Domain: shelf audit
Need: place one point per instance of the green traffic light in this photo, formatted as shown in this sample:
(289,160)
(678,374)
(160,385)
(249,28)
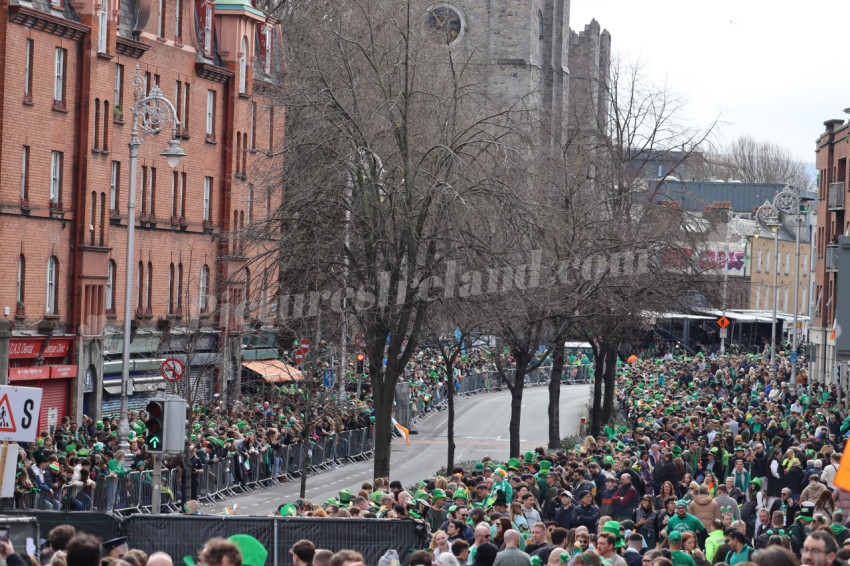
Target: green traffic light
(154,442)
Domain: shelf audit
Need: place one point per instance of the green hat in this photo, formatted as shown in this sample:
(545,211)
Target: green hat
(438,494)
(461,493)
(289,511)
(756,481)
(805,513)
(675,536)
(241,424)
(253,551)
(376,496)
(479,467)
(529,457)
(613,527)
(98,425)
(421,494)
(513,464)
(545,465)
(677,450)
(682,503)
(82,452)
(54,466)
(331,501)
(345,497)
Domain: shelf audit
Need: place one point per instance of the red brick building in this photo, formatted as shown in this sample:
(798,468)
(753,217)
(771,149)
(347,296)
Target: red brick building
(832,157)
(66,97)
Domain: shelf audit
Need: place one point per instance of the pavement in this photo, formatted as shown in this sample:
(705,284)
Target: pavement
(481,429)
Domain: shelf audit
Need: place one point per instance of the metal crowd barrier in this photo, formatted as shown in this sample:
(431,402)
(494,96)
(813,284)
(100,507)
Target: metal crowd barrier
(216,481)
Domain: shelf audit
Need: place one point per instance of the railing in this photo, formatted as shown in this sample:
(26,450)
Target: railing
(216,481)
(832,257)
(836,196)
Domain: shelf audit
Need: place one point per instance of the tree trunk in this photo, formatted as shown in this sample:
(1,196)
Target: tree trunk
(609,376)
(383,397)
(516,411)
(596,418)
(450,429)
(555,393)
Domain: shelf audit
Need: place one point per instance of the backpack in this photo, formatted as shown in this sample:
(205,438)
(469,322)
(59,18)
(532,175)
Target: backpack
(749,553)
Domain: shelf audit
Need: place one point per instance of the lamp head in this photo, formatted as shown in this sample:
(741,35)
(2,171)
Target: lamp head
(173,153)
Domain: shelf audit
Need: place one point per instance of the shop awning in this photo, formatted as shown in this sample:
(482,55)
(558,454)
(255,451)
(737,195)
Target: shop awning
(274,370)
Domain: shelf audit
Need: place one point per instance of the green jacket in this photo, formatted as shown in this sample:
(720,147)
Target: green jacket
(712,543)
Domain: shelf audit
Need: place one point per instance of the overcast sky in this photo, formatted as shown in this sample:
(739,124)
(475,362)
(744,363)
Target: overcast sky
(773,70)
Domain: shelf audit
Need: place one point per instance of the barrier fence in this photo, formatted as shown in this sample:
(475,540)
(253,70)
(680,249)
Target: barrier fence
(229,476)
(216,481)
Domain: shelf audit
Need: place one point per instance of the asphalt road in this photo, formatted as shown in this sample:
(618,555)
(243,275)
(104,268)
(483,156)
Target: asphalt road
(481,429)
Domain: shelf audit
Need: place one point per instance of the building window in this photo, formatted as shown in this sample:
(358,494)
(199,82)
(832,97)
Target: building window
(160,22)
(204,288)
(767,263)
(96,145)
(92,218)
(56,159)
(56,4)
(101,27)
(140,291)
(105,126)
(250,203)
(59,77)
(118,89)
(102,238)
(115,179)
(174,181)
(171,289)
(244,155)
(28,63)
(243,66)
(178,20)
(21,282)
(267,64)
(238,151)
(52,303)
(271,127)
(110,286)
(182,196)
(211,114)
(144,199)
(758,297)
(25,173)
(152,191)
(185,116)
(785,301)
(787,262)
(180,288)
(268,203)
(253,130)
(207,195)
(208,31)
(758,262)
(149,289)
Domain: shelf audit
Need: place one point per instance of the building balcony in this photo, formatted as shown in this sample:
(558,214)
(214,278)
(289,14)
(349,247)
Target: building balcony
(836,196)
(831,258)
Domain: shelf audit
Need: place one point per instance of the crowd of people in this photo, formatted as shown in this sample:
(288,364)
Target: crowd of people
(710,460)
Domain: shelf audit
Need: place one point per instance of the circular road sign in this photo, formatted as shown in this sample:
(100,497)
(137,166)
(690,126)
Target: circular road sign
(172,369)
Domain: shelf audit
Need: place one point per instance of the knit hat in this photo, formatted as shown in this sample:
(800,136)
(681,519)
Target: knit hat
(253,551)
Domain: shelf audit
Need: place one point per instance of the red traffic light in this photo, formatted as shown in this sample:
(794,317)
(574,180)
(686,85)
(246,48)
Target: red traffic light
(154,409)
(361,356)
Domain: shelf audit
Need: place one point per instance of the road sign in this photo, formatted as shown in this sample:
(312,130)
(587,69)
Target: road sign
(793,356)
(19,411)
(328,377)
(299,356)
(305,345)
(172,369)
(359,341)
(723,332)
(723,322)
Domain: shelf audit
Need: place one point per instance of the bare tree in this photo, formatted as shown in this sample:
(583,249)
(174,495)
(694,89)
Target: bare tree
(393,154)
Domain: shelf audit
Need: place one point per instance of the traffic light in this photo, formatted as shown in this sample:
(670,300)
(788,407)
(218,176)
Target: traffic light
(174,439)
(361,357)
(155,426)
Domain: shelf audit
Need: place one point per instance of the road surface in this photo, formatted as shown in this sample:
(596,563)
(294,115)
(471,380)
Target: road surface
(481,429)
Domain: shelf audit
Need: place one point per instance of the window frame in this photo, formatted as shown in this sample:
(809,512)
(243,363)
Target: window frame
(21,281)
(28,70)
(208,30)
(51,306)
(56,161)
(210,124)
(118,87)
(102,27)
(25,173)
(204,289)
(60,60)
(114,185)
(178,20)
(208,181)
(109,293)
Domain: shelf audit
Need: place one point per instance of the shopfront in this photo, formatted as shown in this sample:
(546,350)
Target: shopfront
(40,361)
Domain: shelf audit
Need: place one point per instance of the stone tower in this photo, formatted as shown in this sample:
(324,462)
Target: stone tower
(524,48)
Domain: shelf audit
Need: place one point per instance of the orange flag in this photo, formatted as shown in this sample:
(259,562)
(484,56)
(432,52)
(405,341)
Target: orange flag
(842,476)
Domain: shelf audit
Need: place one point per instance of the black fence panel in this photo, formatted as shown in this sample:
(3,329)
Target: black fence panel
(182,536)
(104,526)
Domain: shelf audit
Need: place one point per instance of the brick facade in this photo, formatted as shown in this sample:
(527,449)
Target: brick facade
(65,196)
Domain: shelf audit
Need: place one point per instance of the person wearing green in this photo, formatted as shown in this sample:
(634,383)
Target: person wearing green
(683,521)
(715,538)
(679,556)
(741,551)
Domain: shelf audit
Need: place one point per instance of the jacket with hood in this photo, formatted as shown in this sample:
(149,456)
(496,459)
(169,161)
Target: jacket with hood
(704,508)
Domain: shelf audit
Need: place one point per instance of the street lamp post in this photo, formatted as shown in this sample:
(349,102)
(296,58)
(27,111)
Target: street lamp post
(786,201)
(151,113)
